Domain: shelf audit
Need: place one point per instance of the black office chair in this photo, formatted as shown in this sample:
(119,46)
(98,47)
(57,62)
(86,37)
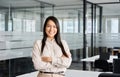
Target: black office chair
(108,75)
(116,70)
(116,66)
(104,56)
(118,55)
(103,65)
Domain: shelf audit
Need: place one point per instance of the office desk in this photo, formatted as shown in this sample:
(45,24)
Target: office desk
(93,58)
(69,73)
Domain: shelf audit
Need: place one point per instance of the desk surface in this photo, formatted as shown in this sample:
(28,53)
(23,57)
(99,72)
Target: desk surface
(93,58)
(69,73)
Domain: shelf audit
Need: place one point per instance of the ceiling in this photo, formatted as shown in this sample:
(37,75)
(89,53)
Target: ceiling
(110,7)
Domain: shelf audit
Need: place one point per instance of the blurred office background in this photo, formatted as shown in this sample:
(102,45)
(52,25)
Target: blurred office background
(89,27)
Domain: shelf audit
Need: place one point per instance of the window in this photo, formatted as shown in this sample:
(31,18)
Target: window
(24,25)
(89,26)
(76,25)
(61,25)
(29,25)
(68,26)
(112,25)
(2,23)
(17,24)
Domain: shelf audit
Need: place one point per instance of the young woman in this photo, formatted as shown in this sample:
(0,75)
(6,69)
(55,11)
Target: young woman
(51,55)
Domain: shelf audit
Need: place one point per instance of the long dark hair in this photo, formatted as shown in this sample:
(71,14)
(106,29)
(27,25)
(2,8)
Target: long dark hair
(57,36)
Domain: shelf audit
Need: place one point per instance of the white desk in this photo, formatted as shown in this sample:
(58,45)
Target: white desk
(69,73)
(93,58)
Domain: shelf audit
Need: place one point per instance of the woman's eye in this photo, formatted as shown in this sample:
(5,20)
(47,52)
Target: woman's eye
(54,26)
(48,25)
(51,26)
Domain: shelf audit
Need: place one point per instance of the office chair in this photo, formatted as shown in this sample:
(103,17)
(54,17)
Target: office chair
(118,55)
(116,70)
(101,64)
(108,75)
(116,65)
(104,56)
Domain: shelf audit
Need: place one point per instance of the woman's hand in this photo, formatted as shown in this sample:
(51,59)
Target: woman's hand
(46,59)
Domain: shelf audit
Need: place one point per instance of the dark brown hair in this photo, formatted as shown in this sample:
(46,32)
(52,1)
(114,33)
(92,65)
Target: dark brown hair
(57,36)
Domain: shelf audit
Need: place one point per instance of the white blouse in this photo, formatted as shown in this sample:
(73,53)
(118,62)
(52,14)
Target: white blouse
(51,49)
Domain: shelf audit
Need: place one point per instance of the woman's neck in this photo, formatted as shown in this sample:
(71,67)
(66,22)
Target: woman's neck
(50,38)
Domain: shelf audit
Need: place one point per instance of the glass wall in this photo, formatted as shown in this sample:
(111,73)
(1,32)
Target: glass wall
(70,18)
(112,25)
(92,28)
(68,22)
(2,23)
(21,23)
(25,18)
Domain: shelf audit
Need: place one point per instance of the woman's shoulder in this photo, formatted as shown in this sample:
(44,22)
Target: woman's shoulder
(38,41)
(65,44)
(63,41)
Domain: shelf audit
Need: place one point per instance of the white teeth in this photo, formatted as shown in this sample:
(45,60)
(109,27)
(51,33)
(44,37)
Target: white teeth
(51,32)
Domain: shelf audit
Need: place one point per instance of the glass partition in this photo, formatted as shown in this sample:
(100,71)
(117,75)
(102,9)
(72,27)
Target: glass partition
(23,18)
(21,23)
(70,17)
(92,27)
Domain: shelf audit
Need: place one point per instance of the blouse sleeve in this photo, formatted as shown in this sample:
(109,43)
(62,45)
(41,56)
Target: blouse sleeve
(63,62)
(36,57)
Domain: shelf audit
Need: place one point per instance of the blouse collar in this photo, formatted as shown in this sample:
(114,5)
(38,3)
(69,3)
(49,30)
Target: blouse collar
(49,40)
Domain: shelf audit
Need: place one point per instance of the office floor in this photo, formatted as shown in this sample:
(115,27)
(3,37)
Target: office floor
(79,66)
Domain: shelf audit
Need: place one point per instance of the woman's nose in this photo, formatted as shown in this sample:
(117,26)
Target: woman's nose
(51,28)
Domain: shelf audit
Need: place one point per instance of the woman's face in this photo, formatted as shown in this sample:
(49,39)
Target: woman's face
(51,29)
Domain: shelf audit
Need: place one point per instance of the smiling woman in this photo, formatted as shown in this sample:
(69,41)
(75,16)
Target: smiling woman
(51,55)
